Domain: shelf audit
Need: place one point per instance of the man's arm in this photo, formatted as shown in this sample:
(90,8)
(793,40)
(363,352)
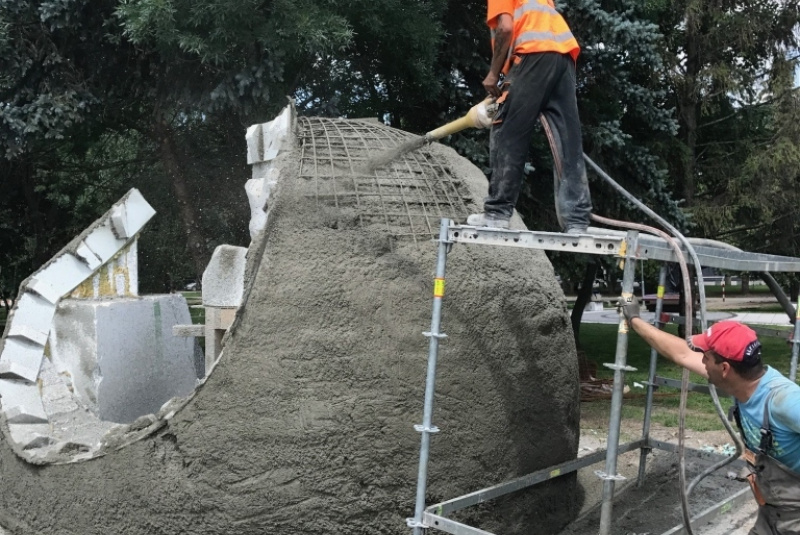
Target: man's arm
(670,346)
(502,44)
(674,348)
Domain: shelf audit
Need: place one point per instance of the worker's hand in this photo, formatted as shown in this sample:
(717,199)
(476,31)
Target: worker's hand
(490,84)
(629,307)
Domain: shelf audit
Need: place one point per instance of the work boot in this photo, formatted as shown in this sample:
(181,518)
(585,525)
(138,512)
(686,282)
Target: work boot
(576,230)
(488,220)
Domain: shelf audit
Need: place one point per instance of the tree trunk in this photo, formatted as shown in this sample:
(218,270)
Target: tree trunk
(745,283)
(689,102)
(583,297)
(6,301)
(36,221)
(195,241)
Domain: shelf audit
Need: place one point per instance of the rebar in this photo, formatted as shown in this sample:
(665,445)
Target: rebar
(408,196)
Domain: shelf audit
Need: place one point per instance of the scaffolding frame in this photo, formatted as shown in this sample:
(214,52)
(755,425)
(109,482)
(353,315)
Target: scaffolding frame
(628,246)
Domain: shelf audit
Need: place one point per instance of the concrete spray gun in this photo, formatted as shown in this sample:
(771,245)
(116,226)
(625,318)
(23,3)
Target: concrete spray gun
(479,116)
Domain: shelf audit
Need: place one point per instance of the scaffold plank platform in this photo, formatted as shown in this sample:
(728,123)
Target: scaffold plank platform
(611,243)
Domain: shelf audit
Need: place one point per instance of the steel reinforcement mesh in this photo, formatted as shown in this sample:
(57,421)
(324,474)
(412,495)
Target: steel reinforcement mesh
(409,196)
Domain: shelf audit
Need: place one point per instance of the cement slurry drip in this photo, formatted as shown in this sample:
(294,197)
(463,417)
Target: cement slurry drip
(305,425)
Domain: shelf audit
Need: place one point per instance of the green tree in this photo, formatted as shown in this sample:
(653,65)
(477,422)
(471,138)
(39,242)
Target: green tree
(74,74)
(762,198)
(718,55)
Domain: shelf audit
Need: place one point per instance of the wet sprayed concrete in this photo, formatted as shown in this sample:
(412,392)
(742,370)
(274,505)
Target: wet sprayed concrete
(306,423)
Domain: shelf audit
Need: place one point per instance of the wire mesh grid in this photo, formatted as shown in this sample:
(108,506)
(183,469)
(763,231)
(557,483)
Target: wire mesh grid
(408,196)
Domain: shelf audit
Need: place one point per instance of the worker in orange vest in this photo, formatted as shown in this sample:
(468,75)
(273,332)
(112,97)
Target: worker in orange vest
(536,52)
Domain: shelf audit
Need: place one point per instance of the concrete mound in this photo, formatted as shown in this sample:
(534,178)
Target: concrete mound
(305,424)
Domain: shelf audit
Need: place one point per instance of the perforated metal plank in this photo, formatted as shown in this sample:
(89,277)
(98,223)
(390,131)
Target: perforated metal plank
(650,247)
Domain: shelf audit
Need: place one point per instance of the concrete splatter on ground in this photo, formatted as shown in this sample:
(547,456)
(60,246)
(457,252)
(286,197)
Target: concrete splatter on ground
(655,507)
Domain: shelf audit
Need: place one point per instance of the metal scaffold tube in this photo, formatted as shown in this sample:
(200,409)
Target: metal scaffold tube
(795,343)
(610,476)
(651,378)
(427,428)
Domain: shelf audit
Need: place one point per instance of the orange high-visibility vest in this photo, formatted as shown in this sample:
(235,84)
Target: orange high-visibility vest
(538,27)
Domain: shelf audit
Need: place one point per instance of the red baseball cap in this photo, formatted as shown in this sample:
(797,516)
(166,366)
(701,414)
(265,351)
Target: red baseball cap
(730,340)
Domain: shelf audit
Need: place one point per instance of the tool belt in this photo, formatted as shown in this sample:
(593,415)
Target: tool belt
(750,475)
(752,457)
(774,476)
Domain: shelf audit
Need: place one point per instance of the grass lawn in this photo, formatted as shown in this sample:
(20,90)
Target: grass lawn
(193,298)
(599,342)
(771,309)
(197,312)
(758,290)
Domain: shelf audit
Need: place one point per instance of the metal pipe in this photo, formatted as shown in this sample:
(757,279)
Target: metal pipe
(651,377)
(426,429)
(664,223)
(767,277)
(620,366)
(779,294)
(795,344)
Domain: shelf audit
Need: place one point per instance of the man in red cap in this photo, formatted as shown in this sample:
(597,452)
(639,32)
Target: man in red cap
(767,410)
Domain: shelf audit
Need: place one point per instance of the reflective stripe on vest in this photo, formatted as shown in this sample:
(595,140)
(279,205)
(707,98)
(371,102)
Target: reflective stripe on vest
(541,8)
(544,36)
(538,27)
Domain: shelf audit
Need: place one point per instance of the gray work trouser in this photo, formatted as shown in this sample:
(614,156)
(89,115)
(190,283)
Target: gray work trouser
(780,488)
(540,83)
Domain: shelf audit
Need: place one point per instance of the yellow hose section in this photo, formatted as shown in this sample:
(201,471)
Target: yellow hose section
(451,128)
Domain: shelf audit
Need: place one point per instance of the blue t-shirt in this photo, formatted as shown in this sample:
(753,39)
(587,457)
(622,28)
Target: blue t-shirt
(784,418)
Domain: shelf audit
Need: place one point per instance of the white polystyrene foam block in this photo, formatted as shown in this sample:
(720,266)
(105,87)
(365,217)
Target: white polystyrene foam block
(119,222)
(223,278)
(257,199)
(257,192)
(64,274)
(253,138)
(45,289)
(13,370)
(21,402)
(275,134)
(21,358)
(258,221)
(104,243)
(18,330)
(132,260)
(137,212)
(87,255)
(283,123)
(33,314)
(273,143)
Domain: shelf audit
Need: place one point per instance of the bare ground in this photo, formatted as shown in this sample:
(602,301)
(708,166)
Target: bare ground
(654,508)
(734,303)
